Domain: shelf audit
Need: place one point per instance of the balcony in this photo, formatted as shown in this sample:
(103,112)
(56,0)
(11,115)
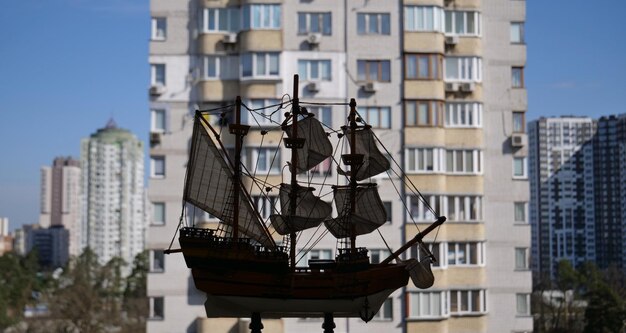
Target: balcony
(424,89)
(260,40)
(465,46)
(424,42)
(219,90)
(464,4)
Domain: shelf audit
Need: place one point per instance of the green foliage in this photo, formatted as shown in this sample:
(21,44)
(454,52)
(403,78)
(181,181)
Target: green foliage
(18,278)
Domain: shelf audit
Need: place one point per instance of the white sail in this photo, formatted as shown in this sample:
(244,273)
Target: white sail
(369,211)
(209,186)
(310,212)
(374,162)
(317,146)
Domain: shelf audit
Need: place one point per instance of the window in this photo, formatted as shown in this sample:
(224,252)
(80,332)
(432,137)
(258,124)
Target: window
(463,69)
(465,254)
(158,213)
(157,164)
(423,113)
(463,208)
(521,258)
(464,161)
(314,70)
(467,301)
(159,28)
(323,169)
(386,311)
(373,24)
(158,120)
(376,116)
(261,16)
(435,248)
(378,255)
(266,205)
(520,211)
(157,308)
(517,32)
(419,210)
(423,66)
(314,23)
(464,114)
(260,65)
(264,160)
(221,67)
(423,18)
(157,74)
(519,122)
(428,304)
(517,77)
(220,20)
(462,23)
(519,167)
(422,160)
(157,261)
(264,112)
(374,70)
(388,210)
(523,304)
(303,258)
(322,113)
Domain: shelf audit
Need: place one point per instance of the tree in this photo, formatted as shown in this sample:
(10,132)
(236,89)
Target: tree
(136,305)
(18,278)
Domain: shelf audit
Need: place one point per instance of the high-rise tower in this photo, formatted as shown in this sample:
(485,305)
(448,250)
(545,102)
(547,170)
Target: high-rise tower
(442,84)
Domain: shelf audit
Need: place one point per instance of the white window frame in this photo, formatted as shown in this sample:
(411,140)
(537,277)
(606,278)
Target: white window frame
(522,311)
(469,69)
(418,210)
(260,57)
(223,67)
(323,113)
(263,114)
(417,160)
(158,28)
(437,249)
(321,17)
(463,250)
(154,116)
(212,17)
(163,208)
(381,254)
(315,65)
(153,163)
(269,17)
(524,210)
(386,311)
(480,309)
(521,254)
(266,205)
(157,70)
(463,115)
(154,268)
(524,165)
(476,163)
(416,18)
(366,18)
(269,167)
(303,260)
(376,116)
(465,17)
(417,300)
(153,308)
(517,33)
(462,205)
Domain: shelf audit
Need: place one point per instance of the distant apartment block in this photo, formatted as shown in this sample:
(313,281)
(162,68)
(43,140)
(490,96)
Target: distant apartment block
(442,84)
(577,182)
(6,241)
(113,221)
(61,199)
(51,244)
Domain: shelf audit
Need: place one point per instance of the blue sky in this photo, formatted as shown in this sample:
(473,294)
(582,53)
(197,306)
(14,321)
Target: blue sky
(67,66)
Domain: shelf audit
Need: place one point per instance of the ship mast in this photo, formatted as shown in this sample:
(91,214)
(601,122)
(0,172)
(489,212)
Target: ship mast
(294,143)
(239,131)
(353,170)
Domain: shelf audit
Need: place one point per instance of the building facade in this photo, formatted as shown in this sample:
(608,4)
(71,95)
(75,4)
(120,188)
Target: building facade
(577,192)
(61,199)
(442,84)
(51,244)
(113,221)
(6,241)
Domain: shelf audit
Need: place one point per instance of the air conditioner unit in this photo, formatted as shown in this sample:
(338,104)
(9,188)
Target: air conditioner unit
(452,40)
(156,90)
(313,87)
(155,138)
(370,87)
(314,38)
(452,87)
(467,87)
(229,39)
(519,140)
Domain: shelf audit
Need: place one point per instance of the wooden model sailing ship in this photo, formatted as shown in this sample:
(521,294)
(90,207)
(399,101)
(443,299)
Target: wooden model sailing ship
(240,266)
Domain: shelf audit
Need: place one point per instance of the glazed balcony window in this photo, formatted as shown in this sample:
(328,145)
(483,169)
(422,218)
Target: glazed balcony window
(221,68)
(261,17)
(423,66)
(423,113)
(464,114)
(220,19)
(467,302)
(463,69)
(462,23)
(428,305)
(464,161)
(260,65)
(423,18)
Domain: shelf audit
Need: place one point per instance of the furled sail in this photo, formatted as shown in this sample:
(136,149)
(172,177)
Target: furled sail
(311,211)
(209,185)
(369,211)
(374,162)
(317,146)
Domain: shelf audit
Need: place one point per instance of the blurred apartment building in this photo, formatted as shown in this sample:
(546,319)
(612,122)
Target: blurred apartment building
(6,241)
(442,83)
(113,219)
(578,193)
